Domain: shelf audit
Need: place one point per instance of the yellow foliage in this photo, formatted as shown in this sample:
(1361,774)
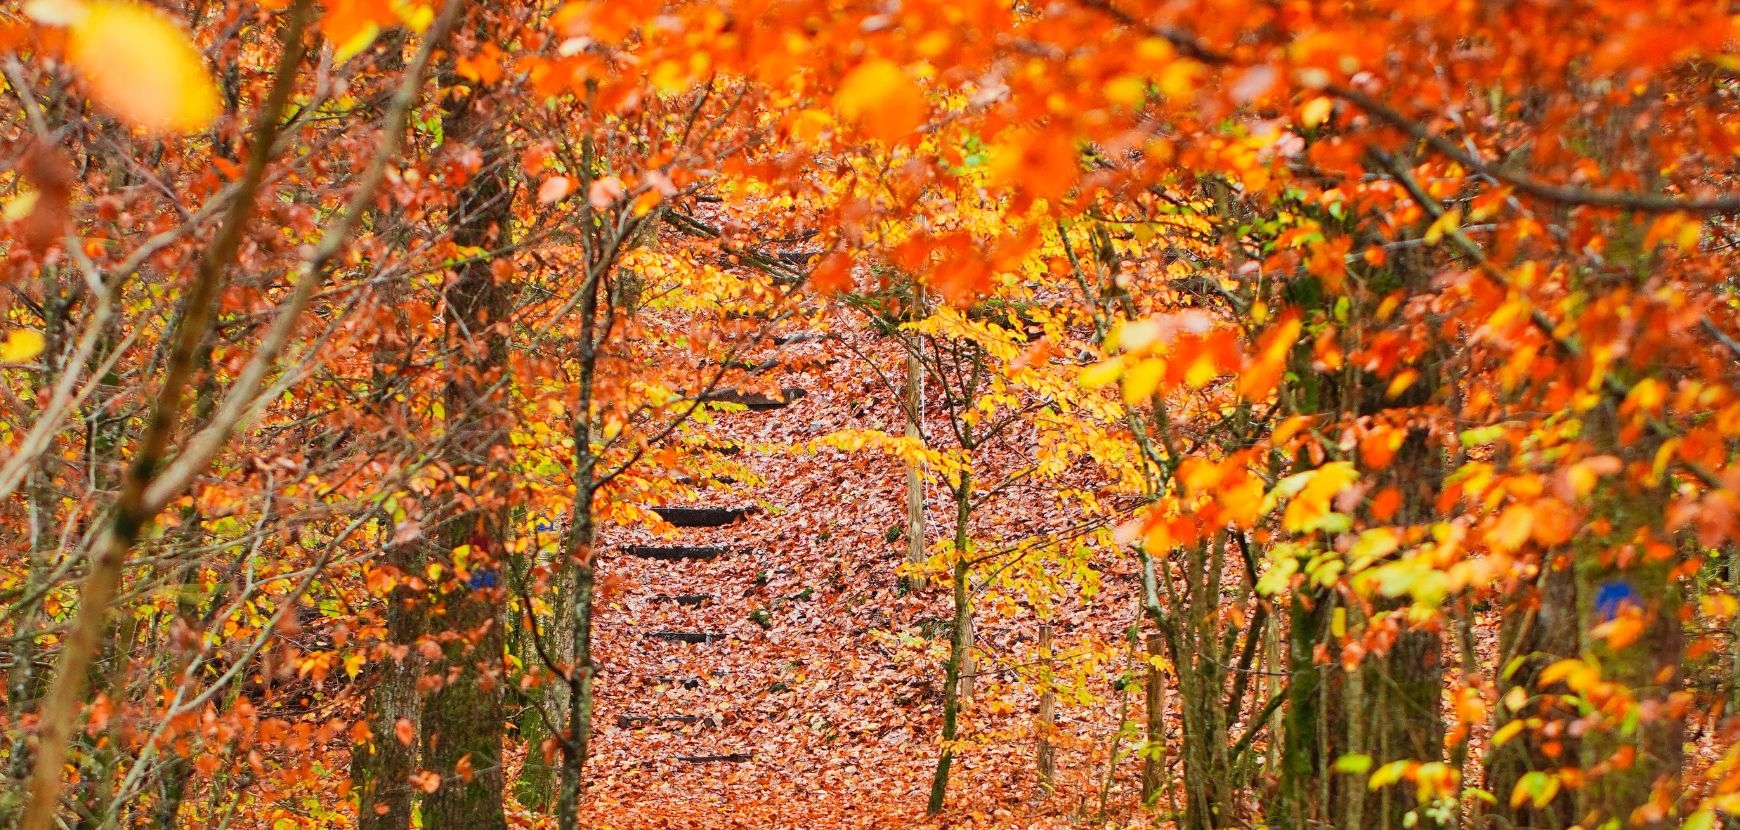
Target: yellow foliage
(140,66)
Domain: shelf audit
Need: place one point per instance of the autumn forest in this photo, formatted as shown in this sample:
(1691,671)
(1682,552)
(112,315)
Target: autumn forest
(620,414)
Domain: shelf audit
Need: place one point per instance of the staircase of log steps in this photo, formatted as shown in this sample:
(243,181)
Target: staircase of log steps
(693,724)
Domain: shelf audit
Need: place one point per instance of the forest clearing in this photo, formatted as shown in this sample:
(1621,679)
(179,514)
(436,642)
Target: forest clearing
(625,414)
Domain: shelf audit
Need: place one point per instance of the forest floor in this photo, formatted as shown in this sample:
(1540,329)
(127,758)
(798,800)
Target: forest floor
(817,694)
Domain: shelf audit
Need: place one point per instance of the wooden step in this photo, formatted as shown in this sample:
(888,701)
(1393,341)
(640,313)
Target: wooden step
(683,599)
(701,516)
(667,680)
(640,721)
(730,758)
(696,637)
(713,479)
(674,553)
(751,366)
(754,401)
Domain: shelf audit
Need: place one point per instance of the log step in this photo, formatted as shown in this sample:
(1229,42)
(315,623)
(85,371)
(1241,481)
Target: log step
(683,599)
(688,636)
(799,337)
(751,366)
(638,721)
(701,516)
(674,553)
(731,758)
(755,401)
(666,680)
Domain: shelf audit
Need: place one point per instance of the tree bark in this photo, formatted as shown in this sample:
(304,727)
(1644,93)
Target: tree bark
(959,643)
(1045,753)
(463,717)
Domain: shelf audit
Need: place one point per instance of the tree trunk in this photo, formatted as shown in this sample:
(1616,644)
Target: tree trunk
(385,763)
(1624,565)
(1538,630)
(1045,754)
(382,766)
(1154,727)
(577,739)
(916,553)
(915,547)
(463,716)
(959,643)
(1404,687)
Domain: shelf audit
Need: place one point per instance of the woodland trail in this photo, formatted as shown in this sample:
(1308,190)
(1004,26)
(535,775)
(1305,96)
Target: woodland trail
(726,656)
(746,679)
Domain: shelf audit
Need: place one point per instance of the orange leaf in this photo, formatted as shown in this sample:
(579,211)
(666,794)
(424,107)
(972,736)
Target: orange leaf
(882,100)
(832,273)
(426,781)
(554,189)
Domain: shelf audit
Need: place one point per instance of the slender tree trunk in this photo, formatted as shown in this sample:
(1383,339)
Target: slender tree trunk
(577,739)
(916,552)
(1045,753)
(915,547)
(1303,761)
(133,512)
(959,642)
(1154,727)
(1404,687)
(24,683)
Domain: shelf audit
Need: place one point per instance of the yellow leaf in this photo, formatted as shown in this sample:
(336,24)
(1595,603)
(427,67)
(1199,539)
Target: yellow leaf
(1136,335)
(1449,221)
(417,16)
(1102,373)
(1316,111)
(1575,672)
(1142,379)
(1512,529)
(882,99)
(1127,91)
(1388,774)
(21,345)
(1401,382)
(20,206)
(1647,396)
(360,38)
(1719,606)
(1506,732)
(139,65)
(1201,371)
